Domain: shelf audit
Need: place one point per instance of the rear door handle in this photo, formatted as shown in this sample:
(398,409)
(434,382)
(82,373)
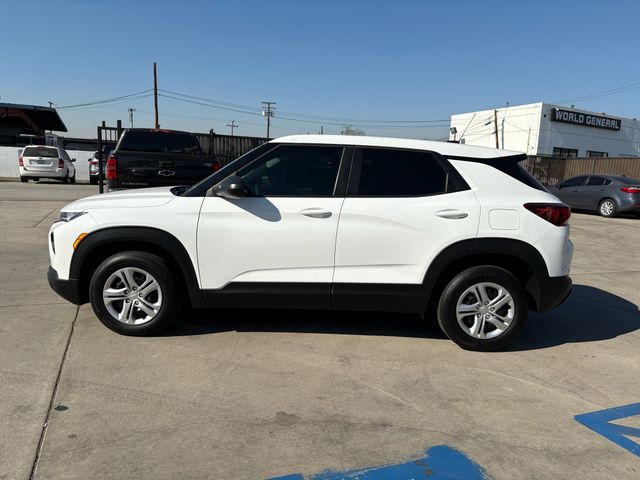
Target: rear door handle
(452,214)
(316,213)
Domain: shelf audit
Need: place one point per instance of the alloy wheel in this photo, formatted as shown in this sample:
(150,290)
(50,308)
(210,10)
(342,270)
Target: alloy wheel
(606,208)
(485,310)
(132,296)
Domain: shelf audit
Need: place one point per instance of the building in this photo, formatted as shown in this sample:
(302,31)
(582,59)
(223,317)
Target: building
(22,125)
(545,129)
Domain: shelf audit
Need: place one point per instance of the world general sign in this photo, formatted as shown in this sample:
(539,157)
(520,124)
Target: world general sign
(586,119)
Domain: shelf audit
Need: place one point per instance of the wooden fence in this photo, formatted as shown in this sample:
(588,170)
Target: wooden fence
(551,171)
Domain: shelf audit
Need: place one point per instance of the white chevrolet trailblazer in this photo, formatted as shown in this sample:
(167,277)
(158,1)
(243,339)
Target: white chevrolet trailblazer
(458,232)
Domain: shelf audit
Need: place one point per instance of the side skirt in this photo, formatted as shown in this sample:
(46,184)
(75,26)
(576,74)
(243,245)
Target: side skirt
(406,298)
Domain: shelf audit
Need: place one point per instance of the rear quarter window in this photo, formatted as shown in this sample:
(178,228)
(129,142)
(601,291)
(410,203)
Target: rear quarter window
(47,152)
(167,142)
(510,166)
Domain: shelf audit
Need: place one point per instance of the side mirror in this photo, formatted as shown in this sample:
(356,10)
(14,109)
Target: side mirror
(230,187)
(73,160)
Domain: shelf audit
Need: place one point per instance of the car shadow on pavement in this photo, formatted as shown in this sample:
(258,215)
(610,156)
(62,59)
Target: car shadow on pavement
(588,315)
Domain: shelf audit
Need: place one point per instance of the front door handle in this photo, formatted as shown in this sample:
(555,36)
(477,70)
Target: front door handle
(452,214)
(316,213)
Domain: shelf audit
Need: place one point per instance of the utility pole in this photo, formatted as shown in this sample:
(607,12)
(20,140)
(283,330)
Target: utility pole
(268,109)
(131,110)
(321,129)
(155,93)
(50,106)
(233,125)
(495,124)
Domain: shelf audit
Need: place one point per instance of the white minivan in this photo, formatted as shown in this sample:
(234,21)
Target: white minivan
(44,161)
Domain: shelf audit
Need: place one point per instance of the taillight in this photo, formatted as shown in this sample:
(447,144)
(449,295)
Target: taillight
(112,167)
(215,166)
(556,213)
(630,189)
(93,162)
(60,163)
(21,162)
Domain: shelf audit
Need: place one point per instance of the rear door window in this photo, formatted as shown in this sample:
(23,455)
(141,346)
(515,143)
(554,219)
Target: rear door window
(596,181)
(574,182)
(45,152)
(399,173)
(160,142)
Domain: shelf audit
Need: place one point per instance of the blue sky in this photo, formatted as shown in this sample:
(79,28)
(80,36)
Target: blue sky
(365,60)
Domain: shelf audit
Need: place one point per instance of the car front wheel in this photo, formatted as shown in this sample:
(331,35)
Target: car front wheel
(482,308)
(134,293)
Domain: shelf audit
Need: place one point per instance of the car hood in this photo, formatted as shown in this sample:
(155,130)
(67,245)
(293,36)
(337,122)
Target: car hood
(143,197)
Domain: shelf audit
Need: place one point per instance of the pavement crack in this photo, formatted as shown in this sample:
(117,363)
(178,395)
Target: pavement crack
(43,218)
(54,392)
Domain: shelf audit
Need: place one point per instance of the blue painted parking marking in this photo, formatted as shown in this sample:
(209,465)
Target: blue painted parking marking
(600,422)
(439,463)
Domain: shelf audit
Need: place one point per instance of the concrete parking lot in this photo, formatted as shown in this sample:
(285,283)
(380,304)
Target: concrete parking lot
(254,394)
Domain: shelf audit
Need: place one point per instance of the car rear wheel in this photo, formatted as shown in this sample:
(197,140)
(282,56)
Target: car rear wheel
(482,308)
(134,293)
(608,208)
(66,178)
(73,179)
(24,179)
(93,180)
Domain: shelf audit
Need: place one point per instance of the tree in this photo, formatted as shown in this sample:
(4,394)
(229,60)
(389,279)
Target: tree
(351,130)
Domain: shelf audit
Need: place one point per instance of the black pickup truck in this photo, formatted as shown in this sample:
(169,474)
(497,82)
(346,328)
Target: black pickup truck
(147,157)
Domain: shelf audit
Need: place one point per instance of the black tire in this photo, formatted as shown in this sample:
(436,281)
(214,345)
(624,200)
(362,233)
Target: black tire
(153,265)
(610,212)
(453,292)
(66,178)
(93,180)
(24,179)
(73,179)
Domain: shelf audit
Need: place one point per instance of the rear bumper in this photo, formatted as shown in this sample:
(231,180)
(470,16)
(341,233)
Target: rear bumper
(67,289)
(58,173)
(552,291)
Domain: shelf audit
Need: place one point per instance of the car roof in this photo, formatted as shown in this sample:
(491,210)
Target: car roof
(155,130)
(444,148)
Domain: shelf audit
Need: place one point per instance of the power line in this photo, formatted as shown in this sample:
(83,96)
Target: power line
(341,120)
(104,101)
(106,105)
(603,93)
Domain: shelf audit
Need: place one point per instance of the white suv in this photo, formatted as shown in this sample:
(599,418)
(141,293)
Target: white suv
(326,222)
(44,161)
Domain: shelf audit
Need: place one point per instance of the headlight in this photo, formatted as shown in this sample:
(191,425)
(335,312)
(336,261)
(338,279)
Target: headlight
(68,216)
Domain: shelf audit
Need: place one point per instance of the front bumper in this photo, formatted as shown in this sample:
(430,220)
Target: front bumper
(552,291)
(67,289)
